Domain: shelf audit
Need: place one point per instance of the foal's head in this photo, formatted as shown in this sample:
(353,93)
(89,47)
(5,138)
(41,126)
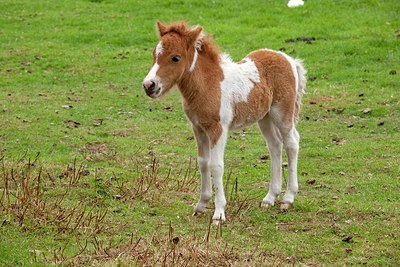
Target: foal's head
(173,56)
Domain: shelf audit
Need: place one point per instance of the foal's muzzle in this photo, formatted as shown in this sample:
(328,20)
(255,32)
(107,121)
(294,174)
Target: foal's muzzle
(151,88)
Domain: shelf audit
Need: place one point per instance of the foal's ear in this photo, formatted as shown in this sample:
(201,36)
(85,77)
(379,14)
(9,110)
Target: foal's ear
(196,34)
(161,29)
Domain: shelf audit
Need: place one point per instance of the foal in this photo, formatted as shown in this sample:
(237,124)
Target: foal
(219,95)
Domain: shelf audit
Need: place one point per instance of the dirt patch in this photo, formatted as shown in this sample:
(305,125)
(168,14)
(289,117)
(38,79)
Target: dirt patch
(307,40)
(321,99)
(98,151)
(122,133)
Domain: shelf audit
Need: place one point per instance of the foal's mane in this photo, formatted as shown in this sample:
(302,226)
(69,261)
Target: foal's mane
(204,44)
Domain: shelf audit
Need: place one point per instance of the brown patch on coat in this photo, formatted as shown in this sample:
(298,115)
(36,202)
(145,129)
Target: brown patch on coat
(257,106)
(277,86)
(277,77)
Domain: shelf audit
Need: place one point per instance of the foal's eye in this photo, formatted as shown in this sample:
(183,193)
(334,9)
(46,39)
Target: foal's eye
(176,59)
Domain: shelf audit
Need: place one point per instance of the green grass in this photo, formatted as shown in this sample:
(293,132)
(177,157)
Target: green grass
(83,61)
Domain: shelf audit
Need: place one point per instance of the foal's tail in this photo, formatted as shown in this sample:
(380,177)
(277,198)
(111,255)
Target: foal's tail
(301,86)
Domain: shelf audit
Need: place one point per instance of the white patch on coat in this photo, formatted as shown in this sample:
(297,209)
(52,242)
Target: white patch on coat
(159,49)
(295,3)
(238,82)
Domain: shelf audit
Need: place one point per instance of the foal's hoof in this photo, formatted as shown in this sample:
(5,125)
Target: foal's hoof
(197,213)
(218,218)
(284,207)
(218,222)
(200,208)
(265,205)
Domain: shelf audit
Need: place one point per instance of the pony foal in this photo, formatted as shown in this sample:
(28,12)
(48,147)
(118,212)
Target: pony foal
(219,95)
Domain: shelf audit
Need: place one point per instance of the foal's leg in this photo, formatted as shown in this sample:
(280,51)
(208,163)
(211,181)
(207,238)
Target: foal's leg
(291,139)
(203,159)
(274,141)
(217,171)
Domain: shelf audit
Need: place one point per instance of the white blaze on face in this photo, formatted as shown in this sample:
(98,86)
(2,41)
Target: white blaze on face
(152,75)
(159,50)
(238,82)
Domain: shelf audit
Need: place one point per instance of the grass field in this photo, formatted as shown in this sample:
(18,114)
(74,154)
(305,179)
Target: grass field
(93,172)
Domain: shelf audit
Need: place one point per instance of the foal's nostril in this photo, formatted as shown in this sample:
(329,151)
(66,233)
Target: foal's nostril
(153,84)
(149,85)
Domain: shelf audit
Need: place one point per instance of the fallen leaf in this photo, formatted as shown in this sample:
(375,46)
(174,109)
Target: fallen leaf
(35,251)
(347,238)
(72,124)
(310,181)
(338,140)
(85,172)
(339,110)
(352,189)
(98,122)
(367,110)
(122,133)
(336,228)
(175,240)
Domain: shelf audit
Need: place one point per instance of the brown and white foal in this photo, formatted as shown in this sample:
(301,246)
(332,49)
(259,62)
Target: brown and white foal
(219,95)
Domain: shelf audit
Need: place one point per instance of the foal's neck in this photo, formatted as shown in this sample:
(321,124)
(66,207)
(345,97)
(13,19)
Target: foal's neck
(204,80)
